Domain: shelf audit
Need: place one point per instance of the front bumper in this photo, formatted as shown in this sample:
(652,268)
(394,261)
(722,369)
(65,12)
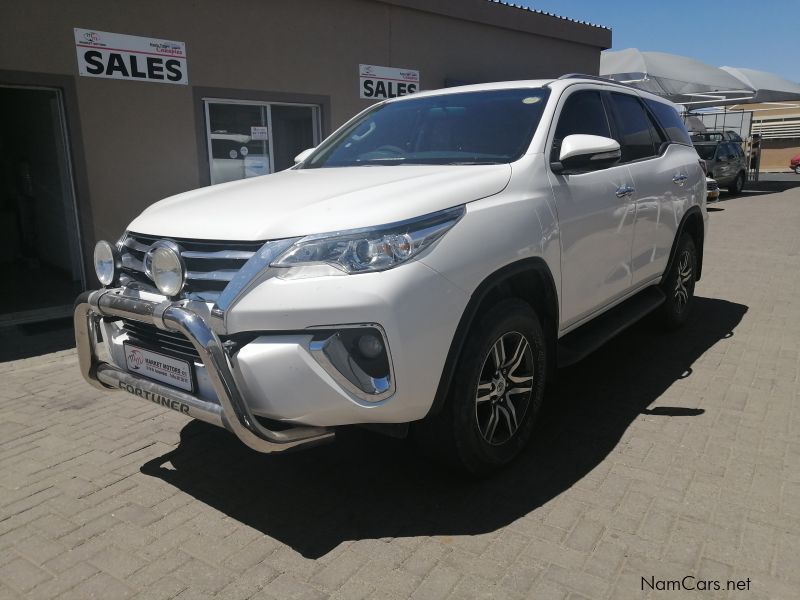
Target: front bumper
(231,412)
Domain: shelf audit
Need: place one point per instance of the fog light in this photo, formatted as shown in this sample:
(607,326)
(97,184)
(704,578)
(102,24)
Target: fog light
(370,346)
(167,268)
(106,262)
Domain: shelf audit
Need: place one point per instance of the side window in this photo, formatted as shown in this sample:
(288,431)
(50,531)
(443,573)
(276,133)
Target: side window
(583,112)
(722,151)
(671,122)
(633,128)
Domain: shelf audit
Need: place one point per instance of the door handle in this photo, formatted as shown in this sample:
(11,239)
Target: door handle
(625,190)
(679,179)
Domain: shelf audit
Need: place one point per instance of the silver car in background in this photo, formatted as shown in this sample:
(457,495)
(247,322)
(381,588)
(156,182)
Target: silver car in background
(726,163)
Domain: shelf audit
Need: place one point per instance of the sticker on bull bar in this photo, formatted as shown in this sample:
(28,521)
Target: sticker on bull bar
(159,367)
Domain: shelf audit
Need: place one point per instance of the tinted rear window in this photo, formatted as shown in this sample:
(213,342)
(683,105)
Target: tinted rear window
(635,132)
(670,121)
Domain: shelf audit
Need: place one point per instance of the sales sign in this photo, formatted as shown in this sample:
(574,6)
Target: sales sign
(120,56)
(377,83)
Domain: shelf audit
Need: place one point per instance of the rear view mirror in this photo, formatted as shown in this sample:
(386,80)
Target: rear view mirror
(582,153)
(303,155)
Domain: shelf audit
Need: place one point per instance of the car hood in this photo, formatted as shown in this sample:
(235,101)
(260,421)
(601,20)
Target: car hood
(307,201)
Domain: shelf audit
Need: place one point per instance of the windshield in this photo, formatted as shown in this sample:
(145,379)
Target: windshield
(706,151)
(461,128)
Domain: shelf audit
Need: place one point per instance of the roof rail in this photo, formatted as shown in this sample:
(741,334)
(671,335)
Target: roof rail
(596,78)
(584,76)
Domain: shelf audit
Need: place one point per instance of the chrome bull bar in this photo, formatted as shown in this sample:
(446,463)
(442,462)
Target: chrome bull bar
(232,412)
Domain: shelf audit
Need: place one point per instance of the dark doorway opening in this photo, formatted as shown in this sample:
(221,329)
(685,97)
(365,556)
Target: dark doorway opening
(40,252)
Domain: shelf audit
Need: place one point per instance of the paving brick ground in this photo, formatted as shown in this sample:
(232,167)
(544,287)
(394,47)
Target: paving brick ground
(660,456)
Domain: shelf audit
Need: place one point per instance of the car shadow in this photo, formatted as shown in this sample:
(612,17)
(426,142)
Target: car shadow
(369,486)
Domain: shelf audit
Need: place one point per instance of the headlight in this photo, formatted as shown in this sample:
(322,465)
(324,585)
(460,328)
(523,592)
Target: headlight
(166,268)
(371,249)
(106,262)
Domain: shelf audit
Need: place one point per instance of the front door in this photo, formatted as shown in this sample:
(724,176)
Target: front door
(596,225)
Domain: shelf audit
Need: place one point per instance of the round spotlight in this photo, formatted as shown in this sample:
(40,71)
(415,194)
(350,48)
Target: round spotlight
(106,262)
(370,346)
(167,268)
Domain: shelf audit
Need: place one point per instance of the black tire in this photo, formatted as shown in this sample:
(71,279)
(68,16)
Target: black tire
(797,169)
(462,434)
(738,185)
(678,285)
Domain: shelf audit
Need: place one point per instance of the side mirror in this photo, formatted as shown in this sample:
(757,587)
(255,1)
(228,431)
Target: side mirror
(582,153)
(303,155)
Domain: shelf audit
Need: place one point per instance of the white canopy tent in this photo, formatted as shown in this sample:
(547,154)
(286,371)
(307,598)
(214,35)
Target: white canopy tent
(768,86)
(695,84)
(680,79)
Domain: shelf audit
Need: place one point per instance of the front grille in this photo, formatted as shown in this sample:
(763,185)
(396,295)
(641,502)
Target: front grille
(210,265)
(150,337)
(712,185)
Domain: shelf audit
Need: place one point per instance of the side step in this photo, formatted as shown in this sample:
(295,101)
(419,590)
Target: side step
(587,338)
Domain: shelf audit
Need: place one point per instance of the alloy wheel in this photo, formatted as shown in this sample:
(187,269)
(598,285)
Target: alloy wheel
(505,387)
(683,280)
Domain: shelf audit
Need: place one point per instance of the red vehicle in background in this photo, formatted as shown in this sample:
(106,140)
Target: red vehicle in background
(794,164)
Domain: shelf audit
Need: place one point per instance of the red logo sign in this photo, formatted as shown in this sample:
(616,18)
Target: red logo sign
(135,359)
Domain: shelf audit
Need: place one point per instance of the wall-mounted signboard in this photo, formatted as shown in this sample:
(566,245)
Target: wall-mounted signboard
(120,56)
(377,83)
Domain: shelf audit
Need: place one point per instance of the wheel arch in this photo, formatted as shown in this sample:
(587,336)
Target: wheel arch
(691,223)
(530,280)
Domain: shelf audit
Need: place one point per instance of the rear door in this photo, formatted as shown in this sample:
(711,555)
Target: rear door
(596,225)
(664,174)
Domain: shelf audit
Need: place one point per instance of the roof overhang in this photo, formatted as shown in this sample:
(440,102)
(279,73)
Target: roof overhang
(499,14)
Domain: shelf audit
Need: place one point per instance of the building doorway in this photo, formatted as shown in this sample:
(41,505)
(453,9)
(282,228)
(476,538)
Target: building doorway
(40,249)
(248,138)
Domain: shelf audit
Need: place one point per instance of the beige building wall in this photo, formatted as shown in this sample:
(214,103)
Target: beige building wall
(775,153)
(142,141)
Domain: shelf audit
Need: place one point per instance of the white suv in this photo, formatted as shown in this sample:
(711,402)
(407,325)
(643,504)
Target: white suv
(423,271)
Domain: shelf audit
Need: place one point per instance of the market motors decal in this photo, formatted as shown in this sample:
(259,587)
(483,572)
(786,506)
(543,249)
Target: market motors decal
(156,398)
(120,56)
(377,83)
(154,365)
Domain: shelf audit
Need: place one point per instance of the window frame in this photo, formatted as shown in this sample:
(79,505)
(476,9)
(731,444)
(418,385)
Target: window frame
(266,107)
(551,138)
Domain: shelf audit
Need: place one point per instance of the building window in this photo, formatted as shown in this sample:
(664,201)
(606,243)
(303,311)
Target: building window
(248,139)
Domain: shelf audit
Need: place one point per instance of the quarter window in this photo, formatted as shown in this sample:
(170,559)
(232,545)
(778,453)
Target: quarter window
(634,129)
(670,121)
(583,112)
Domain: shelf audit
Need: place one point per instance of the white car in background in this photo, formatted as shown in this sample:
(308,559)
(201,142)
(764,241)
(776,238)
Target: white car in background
(424,270)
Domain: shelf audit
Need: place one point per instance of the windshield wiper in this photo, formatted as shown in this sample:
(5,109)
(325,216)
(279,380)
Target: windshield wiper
(395,160)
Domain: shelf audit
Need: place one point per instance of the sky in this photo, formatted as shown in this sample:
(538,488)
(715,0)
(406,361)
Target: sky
(761,35)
